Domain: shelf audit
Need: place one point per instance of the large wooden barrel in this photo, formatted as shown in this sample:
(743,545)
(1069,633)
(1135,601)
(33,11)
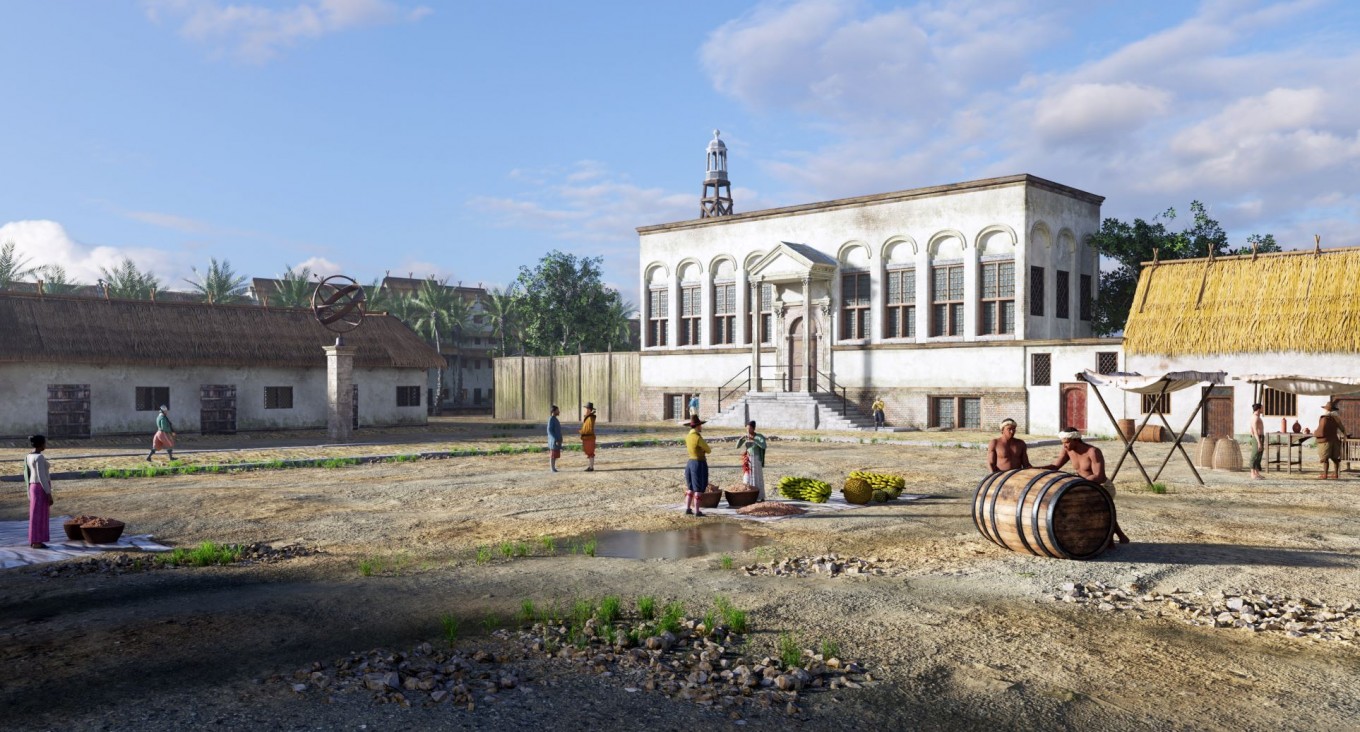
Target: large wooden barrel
(1047,513)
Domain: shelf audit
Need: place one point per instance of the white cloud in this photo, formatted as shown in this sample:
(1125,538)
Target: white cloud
(47,242)
(259,33)
(170,221)
(1100,112)
(319,265)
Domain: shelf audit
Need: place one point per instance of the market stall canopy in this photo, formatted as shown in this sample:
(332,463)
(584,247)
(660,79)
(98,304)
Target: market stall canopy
(1306,385)
(1164,384)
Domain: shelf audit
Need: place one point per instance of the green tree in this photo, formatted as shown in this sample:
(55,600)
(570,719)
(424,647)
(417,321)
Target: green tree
(620,321)
(220,285)
(12,267)
(295,289)
(442,315)
(1131,244)
(499,307)
(564,305)
(55,280)
(129,283)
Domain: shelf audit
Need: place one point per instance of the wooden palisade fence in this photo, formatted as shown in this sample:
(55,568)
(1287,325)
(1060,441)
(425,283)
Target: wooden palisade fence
(526,386)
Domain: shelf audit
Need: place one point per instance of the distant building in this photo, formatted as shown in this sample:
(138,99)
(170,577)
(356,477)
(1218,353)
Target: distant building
(77,367)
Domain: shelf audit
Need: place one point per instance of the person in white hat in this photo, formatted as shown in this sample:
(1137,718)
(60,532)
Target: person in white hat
(164,439)
(1088,462)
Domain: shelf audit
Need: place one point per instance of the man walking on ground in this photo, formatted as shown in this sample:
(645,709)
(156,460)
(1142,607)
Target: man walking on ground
(753,459)
(1006,452)
(1258,440)
(588,436)
(696,470)
(1329,435)
(1088,462)
(554,439)
(165,435)
(877,409)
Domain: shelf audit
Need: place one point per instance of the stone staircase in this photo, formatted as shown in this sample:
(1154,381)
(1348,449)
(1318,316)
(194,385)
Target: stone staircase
(793,410)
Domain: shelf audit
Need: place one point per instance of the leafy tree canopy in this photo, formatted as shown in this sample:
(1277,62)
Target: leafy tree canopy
(563,304)
(127,282)
(1131,244)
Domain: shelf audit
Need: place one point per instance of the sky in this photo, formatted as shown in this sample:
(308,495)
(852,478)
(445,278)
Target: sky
(467,139)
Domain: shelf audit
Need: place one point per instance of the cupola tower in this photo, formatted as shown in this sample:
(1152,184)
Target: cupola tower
(717,200)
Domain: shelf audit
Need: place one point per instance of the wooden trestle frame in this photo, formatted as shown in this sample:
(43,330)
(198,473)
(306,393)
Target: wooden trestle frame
(1130,439)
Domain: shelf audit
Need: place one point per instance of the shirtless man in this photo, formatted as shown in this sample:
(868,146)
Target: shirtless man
(1006,452)
(1088,462)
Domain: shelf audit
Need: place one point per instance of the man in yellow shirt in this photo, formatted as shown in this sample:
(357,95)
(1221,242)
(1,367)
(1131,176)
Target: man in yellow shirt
(696,470)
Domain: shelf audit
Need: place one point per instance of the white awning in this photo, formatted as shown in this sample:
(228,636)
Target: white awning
(1306,385)
(1166,383)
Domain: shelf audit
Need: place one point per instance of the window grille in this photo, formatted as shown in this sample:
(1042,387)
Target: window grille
(1107,362)
(1061,307)
(278,397)
(408,396)
(1156,404)
(1041,369)
(946,301)
(901,305)
(1086,298)
(724,314)
(657,305)
(1279,403)
(997,311)
(855,306)
(691,312)
(1036,290)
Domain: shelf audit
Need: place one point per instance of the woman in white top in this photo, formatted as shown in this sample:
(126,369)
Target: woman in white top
(38,478)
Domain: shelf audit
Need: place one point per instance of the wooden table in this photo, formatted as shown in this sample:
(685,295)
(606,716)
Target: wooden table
(1292,442)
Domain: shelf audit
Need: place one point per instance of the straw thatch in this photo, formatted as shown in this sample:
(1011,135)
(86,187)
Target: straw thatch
(139,332)
(1300,301)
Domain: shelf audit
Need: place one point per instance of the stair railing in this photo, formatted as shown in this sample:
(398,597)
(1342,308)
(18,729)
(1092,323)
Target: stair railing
(833,387)
(743,379)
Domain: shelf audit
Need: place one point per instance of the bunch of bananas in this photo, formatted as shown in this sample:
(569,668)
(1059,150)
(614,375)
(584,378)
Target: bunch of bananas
(805,489)
(885,487)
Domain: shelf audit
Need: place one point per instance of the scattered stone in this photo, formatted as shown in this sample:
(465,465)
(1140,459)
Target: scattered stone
(826,565)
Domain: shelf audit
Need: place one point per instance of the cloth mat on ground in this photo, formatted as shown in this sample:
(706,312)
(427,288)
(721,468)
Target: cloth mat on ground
(836,502)
(15,551)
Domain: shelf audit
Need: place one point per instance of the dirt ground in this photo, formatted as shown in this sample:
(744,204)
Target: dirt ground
(964,635)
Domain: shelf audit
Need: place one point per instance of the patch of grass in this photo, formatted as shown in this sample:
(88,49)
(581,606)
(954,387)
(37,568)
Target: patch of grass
(491,622)
(609,609)
(450,624)
(527,612)
(507,549)
(581,611)
(483,554)
(670,619)
(1158,488)
(647,607)
(710,621)
(548,543)
(369,565)
(787,650)
(589,547)
(830,649)
(725,561)
(734,619)
(521,549)
(337,463)
(203,555)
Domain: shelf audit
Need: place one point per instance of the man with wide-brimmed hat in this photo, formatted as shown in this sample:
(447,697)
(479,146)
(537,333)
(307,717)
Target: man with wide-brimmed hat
(696,470)
(1329,434)
(588,436)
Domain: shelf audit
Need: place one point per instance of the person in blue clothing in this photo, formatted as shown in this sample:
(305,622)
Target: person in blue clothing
(554,439)
(694,405)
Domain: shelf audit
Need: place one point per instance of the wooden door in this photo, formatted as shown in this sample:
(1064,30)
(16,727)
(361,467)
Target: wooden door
(795,355)
(68,410)
(1217,420)
(1072,409)
(1349,409)
(217,409)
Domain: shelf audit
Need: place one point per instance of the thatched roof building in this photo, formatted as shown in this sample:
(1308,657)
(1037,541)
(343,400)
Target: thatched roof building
(139,332)
(1297,301)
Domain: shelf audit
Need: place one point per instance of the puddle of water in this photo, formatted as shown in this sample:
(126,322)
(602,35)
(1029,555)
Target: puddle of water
(698,541)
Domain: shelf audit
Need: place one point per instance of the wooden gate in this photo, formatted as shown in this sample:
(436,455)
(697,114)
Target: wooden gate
(1072,407)
(1218,412)
(217,409)
(68,410)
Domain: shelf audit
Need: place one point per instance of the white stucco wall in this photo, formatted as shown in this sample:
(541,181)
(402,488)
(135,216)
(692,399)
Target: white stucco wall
(23,406)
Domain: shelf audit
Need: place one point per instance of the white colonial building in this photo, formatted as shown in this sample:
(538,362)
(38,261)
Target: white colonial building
(958,304)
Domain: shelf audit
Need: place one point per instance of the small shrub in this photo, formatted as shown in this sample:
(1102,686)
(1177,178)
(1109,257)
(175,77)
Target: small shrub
(521,549)
(483,554)
(670,620)
(507,549)
(369,565)
(450,624)
(548,543)
(527,613)
(1158,488)
(710,621)
(736,620)
(788,651)
(647,607)
(491,622)
(590,546)
(725,561)
(581,611)
(609,609)
(830,649)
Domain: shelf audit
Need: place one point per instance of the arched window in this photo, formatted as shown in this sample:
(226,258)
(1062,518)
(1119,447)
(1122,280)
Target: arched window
(855,302)
(899,306)
(946,285)
(658,305)
(724,302)
(691,306)
(996,293)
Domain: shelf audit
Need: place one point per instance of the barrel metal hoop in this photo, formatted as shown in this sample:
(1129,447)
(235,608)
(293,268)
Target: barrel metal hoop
(1054,506)
(1020,512)
(978,500)
(1056,552)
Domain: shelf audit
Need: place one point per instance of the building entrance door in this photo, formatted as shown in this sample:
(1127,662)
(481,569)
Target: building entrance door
(1072,408)
(68,410)
(1218,412)
(217,409)
(795,355)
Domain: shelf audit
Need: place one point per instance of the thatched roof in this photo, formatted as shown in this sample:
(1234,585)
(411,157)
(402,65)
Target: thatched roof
(81,330)
(1297,301)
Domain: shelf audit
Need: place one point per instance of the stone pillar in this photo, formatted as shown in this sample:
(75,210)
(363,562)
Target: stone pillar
(339,392)
(809,368)
(755,336)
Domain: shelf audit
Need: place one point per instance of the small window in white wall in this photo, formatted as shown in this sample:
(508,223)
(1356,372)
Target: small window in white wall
(1041,369)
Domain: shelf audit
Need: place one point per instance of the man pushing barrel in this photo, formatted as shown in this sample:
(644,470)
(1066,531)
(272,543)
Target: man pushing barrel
(1006,452)
(1088,462)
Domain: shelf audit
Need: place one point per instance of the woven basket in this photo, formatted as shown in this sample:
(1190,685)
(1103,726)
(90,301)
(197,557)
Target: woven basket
(103,534)
(1227,455)
(1206,452)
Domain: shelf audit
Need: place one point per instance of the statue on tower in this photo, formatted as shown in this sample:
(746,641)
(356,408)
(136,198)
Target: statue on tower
(717,198)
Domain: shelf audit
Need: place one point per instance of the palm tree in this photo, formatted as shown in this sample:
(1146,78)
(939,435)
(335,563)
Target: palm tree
(295,289)
(220,285)
(55,281)
(377,299)
(433,303)
(12,267)
(499,306)
(128,282)
(618,322)
(399,305)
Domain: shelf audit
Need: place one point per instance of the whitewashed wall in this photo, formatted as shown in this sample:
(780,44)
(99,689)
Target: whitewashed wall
(23,396)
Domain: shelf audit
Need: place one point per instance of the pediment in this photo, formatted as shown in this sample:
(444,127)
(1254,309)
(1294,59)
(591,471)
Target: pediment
(794,261)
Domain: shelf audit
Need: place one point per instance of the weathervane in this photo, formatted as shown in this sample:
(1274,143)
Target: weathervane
(339,303)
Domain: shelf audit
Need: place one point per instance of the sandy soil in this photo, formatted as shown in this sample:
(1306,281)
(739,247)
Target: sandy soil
(963,636)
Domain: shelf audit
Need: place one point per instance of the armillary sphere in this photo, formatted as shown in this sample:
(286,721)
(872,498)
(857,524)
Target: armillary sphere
(339,304)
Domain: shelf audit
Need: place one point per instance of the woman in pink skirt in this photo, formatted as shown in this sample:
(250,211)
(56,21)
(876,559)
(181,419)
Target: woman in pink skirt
(38,478)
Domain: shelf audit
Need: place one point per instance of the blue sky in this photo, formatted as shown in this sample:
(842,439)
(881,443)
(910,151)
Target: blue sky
(466,139)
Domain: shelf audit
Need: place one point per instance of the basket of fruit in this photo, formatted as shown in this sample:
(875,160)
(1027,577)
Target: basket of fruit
(72,527)
(102,530)
(741,495)
(710,497)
